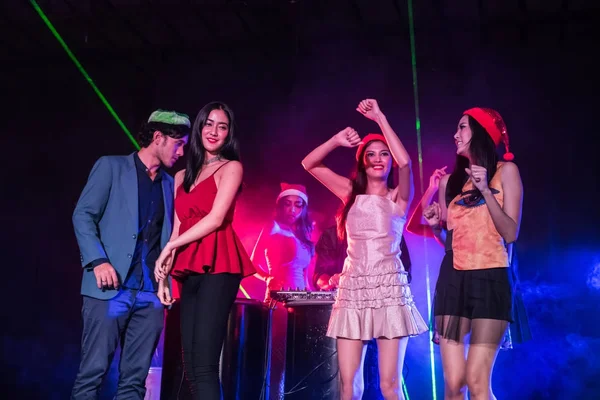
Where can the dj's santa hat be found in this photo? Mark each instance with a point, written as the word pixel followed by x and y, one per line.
pixel 493 123
pixel 288 189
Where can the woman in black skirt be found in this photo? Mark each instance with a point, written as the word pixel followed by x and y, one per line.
pixel 478 215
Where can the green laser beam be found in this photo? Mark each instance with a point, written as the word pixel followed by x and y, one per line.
pixel 404 390
pixel 87 77
pixel 413 59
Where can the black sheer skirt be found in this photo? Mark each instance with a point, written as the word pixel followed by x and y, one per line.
pixel 479 305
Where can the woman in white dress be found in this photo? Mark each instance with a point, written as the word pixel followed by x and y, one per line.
pixel 374 299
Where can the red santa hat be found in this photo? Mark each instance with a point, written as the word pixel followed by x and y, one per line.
pixel 371 137
pixel 492 122
pixel 293 190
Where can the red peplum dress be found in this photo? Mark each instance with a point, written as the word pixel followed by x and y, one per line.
pixel 217 253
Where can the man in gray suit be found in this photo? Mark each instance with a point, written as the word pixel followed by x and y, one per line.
pixel 122 221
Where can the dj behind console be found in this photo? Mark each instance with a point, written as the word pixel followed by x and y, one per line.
pixel 311 366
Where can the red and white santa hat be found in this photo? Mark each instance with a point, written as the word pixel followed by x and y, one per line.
pixel 492 122
pixel 288 189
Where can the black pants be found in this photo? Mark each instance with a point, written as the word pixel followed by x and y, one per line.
pixel 136 320
pixel 206 300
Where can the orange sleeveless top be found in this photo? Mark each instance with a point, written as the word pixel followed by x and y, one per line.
pixel 476 244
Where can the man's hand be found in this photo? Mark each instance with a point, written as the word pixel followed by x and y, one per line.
pixel 323 282
pixel 106 276
pixel 326 282
pixel 334 281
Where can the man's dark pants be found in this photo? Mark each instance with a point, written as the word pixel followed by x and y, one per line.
pixel 133 318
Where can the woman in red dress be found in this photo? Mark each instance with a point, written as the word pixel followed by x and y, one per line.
pixel 205 257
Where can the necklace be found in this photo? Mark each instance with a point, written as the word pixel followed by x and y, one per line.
pixel 212 160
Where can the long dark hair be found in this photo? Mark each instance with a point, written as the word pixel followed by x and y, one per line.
pixel 359 186
pixel 483 153
pixel 302 227
pixel 195 160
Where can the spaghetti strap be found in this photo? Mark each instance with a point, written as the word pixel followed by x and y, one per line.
pixel 210 176
pixel 220 166
pixel 215 171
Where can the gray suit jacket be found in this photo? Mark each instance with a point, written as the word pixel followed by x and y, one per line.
pixel 106 219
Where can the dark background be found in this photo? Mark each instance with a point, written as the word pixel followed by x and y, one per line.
pixel 293 71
